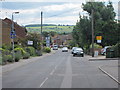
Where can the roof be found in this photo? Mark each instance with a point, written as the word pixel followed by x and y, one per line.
pixel 20 31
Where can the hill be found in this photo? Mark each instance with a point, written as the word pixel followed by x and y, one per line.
pixel 50 27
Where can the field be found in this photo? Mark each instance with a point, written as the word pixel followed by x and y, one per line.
pixel 58 29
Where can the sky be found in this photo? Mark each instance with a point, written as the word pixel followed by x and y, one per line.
pixel 54 11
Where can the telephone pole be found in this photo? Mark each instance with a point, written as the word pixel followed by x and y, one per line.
pixel 92 33
pixel 41 21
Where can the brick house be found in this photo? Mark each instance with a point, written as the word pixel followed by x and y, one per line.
pixel 6 29
pixel 4 33
pixel 62 39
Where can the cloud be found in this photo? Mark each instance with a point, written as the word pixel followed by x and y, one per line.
pixel 45 1
pixel 56 13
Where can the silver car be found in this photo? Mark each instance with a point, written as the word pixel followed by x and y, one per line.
pixel 73 49
pixel 78 52
pixel 64 49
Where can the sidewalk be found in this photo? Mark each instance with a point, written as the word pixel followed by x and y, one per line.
pixel 23 62
pixel 111 71
pixel 97 58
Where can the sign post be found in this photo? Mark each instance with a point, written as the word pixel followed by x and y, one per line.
pixel 48 41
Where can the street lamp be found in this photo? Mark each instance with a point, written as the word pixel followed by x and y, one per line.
pixel 13 35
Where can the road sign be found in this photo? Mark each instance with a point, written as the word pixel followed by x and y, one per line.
pixel 13 34
pixel 48 41
pixel 98 37
pixel 30 42
pixel 98 41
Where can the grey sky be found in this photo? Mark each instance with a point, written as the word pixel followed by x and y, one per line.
pixel 54 11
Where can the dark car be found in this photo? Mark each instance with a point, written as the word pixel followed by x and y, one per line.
pixel 78 52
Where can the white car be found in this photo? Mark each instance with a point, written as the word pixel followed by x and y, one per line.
pixel 64 49
pixel 78 51
pixel 55 47
pixel 103 51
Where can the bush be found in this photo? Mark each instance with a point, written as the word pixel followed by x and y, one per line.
pixel 26 55
pixel 96 46
pixel 7 47
pixel 113 51
pixel 39 53
pixel 0 59
pixel 9 58
pixel 4 52
pixel 47 49
pixel 117 50
pixel 4 59
pixel 30 50
pixel 20 50
pixel 18 56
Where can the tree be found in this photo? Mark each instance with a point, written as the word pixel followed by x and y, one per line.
pixel 104 25
pixel 32 37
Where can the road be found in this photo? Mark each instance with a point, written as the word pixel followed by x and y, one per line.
pixel 59 70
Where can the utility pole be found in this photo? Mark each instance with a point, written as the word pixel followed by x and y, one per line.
pixel 41 32
pixel 92 33
pixel 41 21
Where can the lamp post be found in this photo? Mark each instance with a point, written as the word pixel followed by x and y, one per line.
pixel 13 35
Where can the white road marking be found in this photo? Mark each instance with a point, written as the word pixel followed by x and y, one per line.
pixel 43 82
pixel 52 72
pixel 67 81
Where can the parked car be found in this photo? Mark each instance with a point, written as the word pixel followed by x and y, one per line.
pixel 55 47
pixel 78 52
pixel 73 49
pixel 64 49
pixel 103 51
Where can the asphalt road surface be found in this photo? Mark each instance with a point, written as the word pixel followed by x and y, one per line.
pixel 59 70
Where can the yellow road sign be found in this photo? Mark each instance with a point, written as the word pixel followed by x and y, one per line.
pixel 98 37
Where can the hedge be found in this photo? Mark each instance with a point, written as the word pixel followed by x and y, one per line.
pixel 113 51
pixel 30 50
pixel 47 49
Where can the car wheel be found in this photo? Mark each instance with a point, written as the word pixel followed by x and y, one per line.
pixel 82 55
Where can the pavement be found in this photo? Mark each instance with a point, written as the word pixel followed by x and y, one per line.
pixel 97 58
pixel 110 70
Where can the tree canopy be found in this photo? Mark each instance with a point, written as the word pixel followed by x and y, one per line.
pixel 105 25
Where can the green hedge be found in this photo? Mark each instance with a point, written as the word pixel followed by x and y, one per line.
pixel 26 55
pixel 113 52
pixel 30 50
pixel 4 52
pixel 0 59
pixel 18 56
pixel 47 49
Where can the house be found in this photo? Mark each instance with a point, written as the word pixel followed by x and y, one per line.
pixel 62 39
pixel 4 33
pixel 6 30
